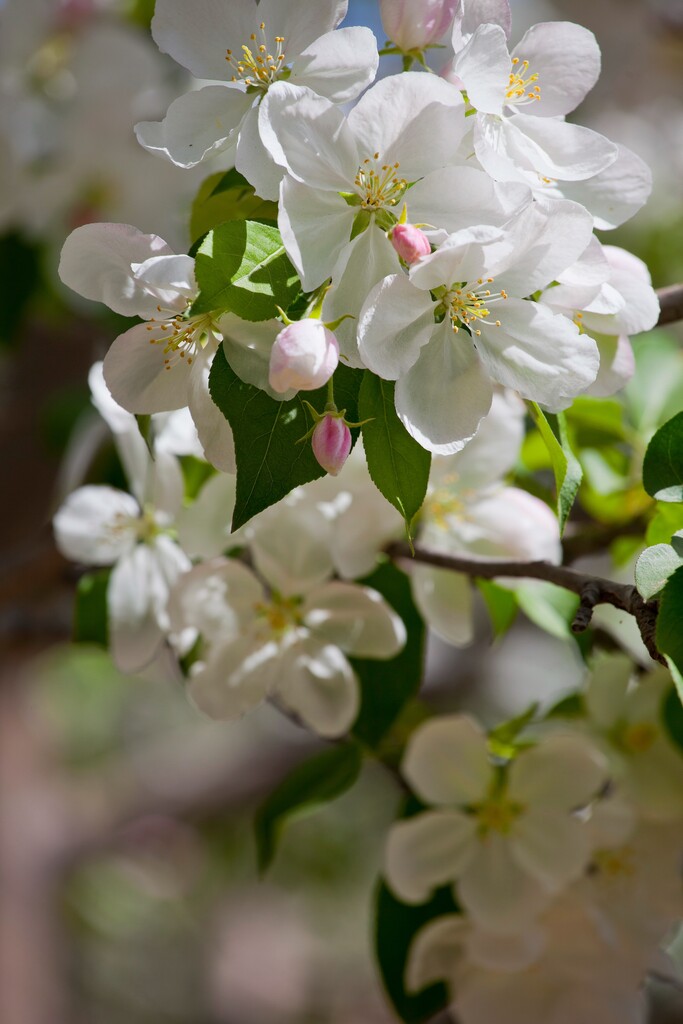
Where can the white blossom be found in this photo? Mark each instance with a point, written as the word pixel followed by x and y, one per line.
pixel 248 47
pixel 508 837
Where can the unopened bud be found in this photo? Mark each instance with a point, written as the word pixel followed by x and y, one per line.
pixel 414 24
pixel 331 443
pixel 74 13
pixel 410 243
pixel 304 357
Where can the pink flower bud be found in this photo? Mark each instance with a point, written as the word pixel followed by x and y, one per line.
pixel 410 243
pixel 304 357
pixel 331 443
pixel 73 13
pixel 414 24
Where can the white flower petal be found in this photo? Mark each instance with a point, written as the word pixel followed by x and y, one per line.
pixel 219 599
pixel 318 684
pixel 444 600
pixel 559 149
pixel 590 269
pixel 166 487
pixel 525 148
pixel 96 525
pixel 607 688
pixel 301 22
pixel 483 65
pixel 510 523
pixel 538 354
pixel 446 761
pixel 357 619
pixel 550 846
pixel 566 58
pixel 368 259
pixel 316 228
pixel 427 851
pixel 338 65
pixel 291 549
pixel 436 951
pixel 492 452
pixel 496 892
pixel 443 397
pixel 394 324
pixel 562 772
pixel 615 194
pixel 470 16
pixel 136 590
pixel 169 279
pixel 236 678
pixel 135 373
pixel 546 238
pixel 196 125
pixel 414 119
pixel 96 263
pixel 617 365
pixel 247 346
pixel 253 159
pixel 213 429
pixel 204 526
pixel 454 198
pixel 197 35
pixel 463 256
pixel 309 136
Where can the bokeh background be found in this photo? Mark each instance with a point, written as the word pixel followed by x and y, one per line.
pixel 128 883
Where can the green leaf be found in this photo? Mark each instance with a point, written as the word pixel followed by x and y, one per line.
pixel 396 925
pixel 196 472
pixel 146 428
pixel 551 608
pixel 654 567
pixel 667 520
pixel 387 686
pixel 398 465
pixel 596 422
pixel 502 739
pixel 501 604
pixel 571 706
pixel 672 716
pixel 663 463
pixel 270 463
pixel 553 429
pixel 321 779
pixel 241 267
pixel 90 609
pixel 227 196
pixel 669 634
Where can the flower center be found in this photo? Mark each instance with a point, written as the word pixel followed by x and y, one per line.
pixel 182 337
pixel 639 737
pixel 615 863
pixel 379 187
pixel 441 505
pixel 468 305
pixel 521 89
pixel 259 64
pixel 280 614
pixel 497 815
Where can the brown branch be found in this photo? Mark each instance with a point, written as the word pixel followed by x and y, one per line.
pixel 592 590
pixel 671 304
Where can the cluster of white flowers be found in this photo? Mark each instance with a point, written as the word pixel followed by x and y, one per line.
pixel 443 233
pixel 563 852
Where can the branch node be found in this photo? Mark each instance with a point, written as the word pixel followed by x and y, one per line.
pixel 591 594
